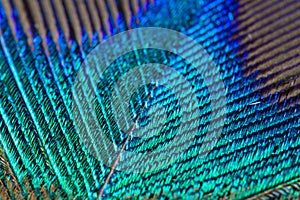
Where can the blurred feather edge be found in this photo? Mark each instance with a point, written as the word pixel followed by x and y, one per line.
pixel 93 17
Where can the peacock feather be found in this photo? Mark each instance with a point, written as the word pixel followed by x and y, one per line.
pixel 254 46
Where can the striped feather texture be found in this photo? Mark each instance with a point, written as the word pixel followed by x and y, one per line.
pixel 255 47
pixel 72 17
